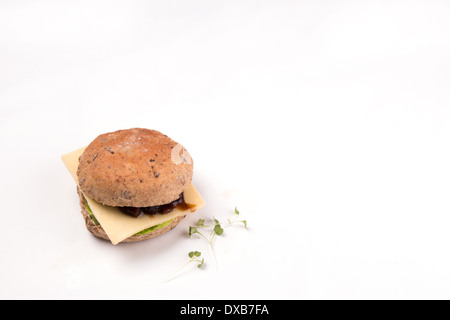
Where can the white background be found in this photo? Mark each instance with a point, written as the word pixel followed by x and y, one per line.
pixel 327 123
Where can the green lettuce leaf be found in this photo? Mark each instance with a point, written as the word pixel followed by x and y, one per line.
pixel 91 214
pixel 158 226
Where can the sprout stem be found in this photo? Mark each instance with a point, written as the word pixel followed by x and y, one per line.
pixel 176 273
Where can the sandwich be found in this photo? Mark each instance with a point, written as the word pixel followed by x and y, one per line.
pixel 133 184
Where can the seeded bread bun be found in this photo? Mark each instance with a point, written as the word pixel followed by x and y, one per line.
pixel 134 168
pixel 98 231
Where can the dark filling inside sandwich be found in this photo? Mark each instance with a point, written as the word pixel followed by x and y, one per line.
pixel 161 209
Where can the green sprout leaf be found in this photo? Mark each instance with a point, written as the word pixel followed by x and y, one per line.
pixel 218 229
pixel 192 230
pixel 201 222
pixel 200 265
pixel 193 254
pixel 236 211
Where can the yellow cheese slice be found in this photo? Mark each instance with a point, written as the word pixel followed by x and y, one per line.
pixel 119 226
